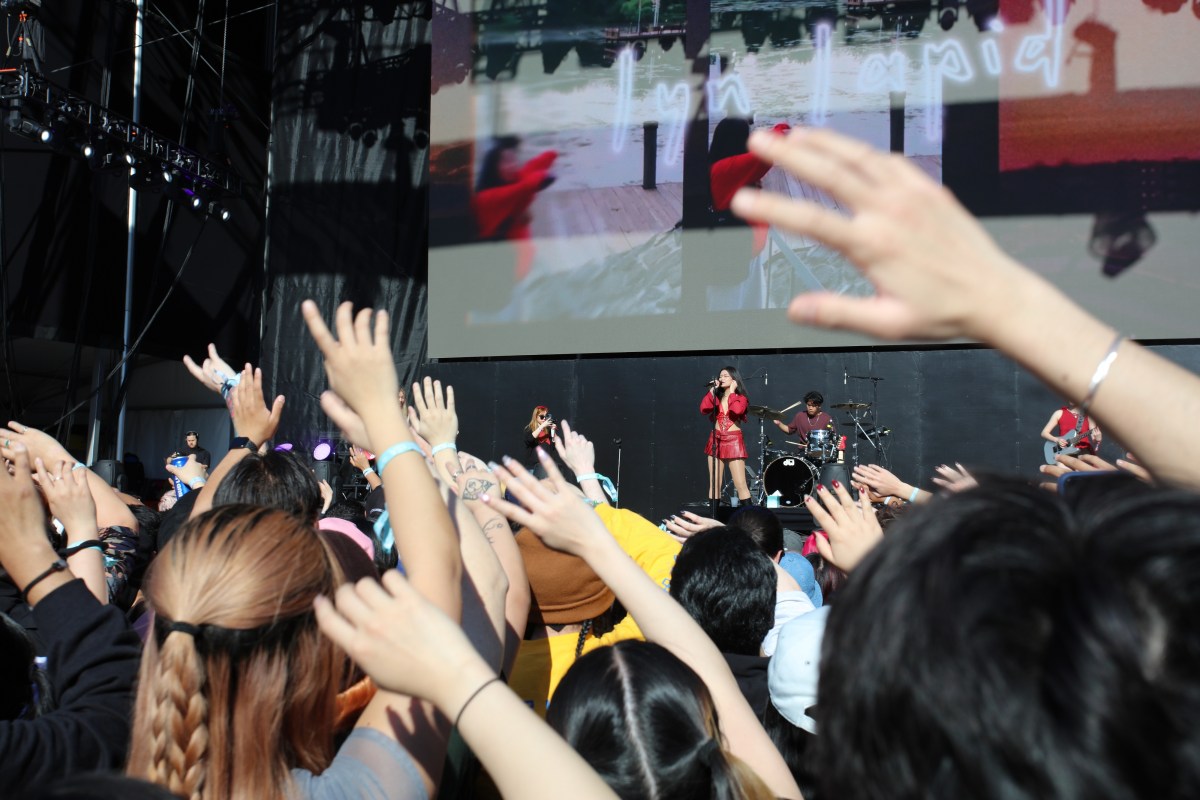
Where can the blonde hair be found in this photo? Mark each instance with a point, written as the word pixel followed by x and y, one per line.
pixel 533 420
pixel 237 686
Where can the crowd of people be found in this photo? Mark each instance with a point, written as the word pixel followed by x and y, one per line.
pixel 475 629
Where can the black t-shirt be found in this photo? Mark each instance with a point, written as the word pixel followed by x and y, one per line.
pixel 202 455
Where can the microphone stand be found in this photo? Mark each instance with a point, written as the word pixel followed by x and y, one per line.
pixel 617 502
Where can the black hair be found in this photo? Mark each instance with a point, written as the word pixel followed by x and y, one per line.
pixel 353 511
pixel 489 169
pixel 737 377
pixel 727 584
pixel 27 692
pixel 1002 643
pixel 729 139
pixel 277 479
pixel 645 722
pixel 814 397
pixel 762 526
pixel 796 745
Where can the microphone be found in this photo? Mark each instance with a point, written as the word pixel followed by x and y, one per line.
pixel 845 377
pixel 617 441
pixel 711 384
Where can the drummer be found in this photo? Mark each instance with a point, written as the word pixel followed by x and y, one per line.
pixel 812 418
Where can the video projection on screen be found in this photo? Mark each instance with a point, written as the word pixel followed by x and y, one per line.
pixel 584 154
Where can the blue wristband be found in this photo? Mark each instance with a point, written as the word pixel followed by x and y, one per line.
pixel 437 448
pixel 912 498
pixel 604 481
pixel 386 457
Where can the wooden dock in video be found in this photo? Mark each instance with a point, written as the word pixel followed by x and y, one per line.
pixel 630 211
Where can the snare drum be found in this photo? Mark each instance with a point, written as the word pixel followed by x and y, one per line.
pixel 822 446
pixel 791 476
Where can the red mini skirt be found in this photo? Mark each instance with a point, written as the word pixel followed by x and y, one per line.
pixel 730 444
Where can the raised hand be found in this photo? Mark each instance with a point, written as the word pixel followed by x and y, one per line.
pixel 358 361
pixel 954 479
pixel 38 444
pixel 212 372
pixel 24 549
pixel 936 272
pixel 575 450
pixel 687 524
pixel 404 642
pixel 852 528
pixel 69 497
pixel 189 471
pixel 251 417
pixel 358 459
pixel 559 517
pixel 434 416
pixel 881 480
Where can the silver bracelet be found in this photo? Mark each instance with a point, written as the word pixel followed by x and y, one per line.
pixel 1101 373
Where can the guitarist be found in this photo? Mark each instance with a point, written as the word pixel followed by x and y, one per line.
pixel 1077 436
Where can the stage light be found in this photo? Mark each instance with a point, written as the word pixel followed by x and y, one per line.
pixel 219 211
pixel 284 447
pixel 323 451
pixel 170 173
pixel 131 159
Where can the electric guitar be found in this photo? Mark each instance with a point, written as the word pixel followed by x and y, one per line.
pixel 1053 449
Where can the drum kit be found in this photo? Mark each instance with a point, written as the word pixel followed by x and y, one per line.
pixel 789 474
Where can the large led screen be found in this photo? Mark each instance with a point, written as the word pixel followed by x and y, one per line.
pixel 584 154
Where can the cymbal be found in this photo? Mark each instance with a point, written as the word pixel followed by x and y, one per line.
pixel 765 412
pixel 850 406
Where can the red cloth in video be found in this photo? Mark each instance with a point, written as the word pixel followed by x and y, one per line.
pixel 503 211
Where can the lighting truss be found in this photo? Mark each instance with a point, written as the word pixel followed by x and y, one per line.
pixel 31 104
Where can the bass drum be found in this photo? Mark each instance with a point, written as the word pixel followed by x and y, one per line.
pixel 791 476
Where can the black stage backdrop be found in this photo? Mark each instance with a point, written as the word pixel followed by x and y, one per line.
pixel 348 174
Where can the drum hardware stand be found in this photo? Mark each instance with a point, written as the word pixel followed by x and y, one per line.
pixel 875 435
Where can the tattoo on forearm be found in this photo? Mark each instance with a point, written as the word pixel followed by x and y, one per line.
pixel 493 527
pixel 476 487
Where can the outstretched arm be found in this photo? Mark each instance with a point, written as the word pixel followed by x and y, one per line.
pixel 561 521
pixel 938 275
pixel 407 645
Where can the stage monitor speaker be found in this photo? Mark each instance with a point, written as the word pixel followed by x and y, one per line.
pixel 113 473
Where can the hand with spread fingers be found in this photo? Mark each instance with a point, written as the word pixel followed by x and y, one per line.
pixel 852 528
pixel 212 372
pixel 358 458
pixel 954 479
pixel 936 272
pixel 559 518
pixel 881 480
pixel 433 414
pixel 686 524
pixel 360 368
pixel 248 408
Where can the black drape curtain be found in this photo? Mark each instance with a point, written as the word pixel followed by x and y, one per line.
pixel 348 187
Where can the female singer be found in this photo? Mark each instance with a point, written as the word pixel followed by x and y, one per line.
pixel 725 404
pixel 540 432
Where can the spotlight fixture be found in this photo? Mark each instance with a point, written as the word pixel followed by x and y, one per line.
pixel 219 211
pixel 170 173
pixel 323 450
pixel 284 447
